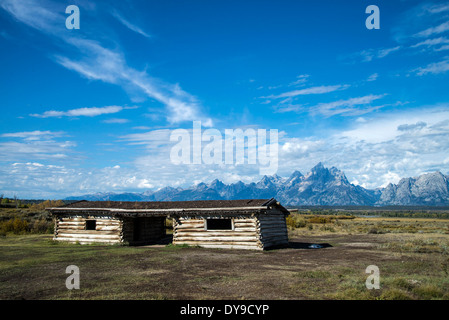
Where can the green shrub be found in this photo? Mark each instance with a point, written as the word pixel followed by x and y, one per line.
pixel 295 221
pixel 428 292
pixel 42 226
pixel 394 294
pixel 318 219
pixel 15 226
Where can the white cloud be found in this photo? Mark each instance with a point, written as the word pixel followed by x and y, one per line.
pixel 34 145
pixel 129 25
pixel 375 152
pixel 84 112
pixel 438 8
pixel 385 52
pixel 373 77
pixel 300 80
pixel 307 91
pixel 116 120
pixel 434 68
pixel 379 150
pixel 443 27
pixel 98 62
pixel 348 107
pixel 371 54
pixel 431 42
pixel 33 135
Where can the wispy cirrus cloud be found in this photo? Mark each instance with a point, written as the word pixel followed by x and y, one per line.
pixel 116 120
pixel 80 112
pixel 431 42
pixel 25 145
pixel 372 54
pixel 348 107
pixel 33 135
pixel 443 27
pixel 129 25
pixel 345 107
pixel 373 77
pixel 434 68
pixel 438 8
pixel 308 91
pixel 96 61
pixel 300 80
pixel 369 55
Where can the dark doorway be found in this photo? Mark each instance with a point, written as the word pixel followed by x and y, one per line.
pixel 137 229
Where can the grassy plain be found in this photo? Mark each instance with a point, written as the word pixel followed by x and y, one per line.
pixel 411 254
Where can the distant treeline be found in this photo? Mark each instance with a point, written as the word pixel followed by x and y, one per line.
pixel 26 203
pixel 392 212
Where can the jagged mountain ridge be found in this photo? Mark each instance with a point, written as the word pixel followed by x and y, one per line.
pixel 321 186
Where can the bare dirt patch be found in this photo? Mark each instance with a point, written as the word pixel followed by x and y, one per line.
pixel 33 268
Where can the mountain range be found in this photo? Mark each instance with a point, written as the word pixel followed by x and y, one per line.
pixel 321 186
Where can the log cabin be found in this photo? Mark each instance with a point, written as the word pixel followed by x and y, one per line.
pixel 239 224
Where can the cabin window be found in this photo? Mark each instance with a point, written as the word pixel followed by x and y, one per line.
pixel 218 224
pixel 91 224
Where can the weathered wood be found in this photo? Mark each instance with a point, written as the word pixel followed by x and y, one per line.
pixel 85 241
pixel 245 246
pixel 219 239
pixel 241 229
pixel 223 233
pixel 273 236
pixel 88 236
pixel 188 226
pixel 271 226
pixel 91 232
pixel 245 225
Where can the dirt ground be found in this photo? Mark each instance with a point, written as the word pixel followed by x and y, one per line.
pixel 31 267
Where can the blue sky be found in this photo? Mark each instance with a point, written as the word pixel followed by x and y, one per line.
pixel 91 109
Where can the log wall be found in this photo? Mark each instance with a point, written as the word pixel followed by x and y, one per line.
pixel 192 231
pixel 272 229
pixel 73 229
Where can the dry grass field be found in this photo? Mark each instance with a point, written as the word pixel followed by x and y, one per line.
pixel 412 256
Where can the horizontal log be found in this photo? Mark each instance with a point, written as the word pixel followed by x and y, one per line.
pixel 206 233
pixel 273 235
pixel 251 246
pixel 245 224
pixel 270 245
pixel 241 229
pixel 75 227
pixel 83 227
pixel 216 239
pixel 189 225
pixel 271 216
pixel 93 232
pixel 82 223
pixel 86 241
pixel 271 221
pixel 89 236
pixel 270 238
pixel 244 220
pixel 89 218
pixel 64 223
pixel 273 242
pixel 273 228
